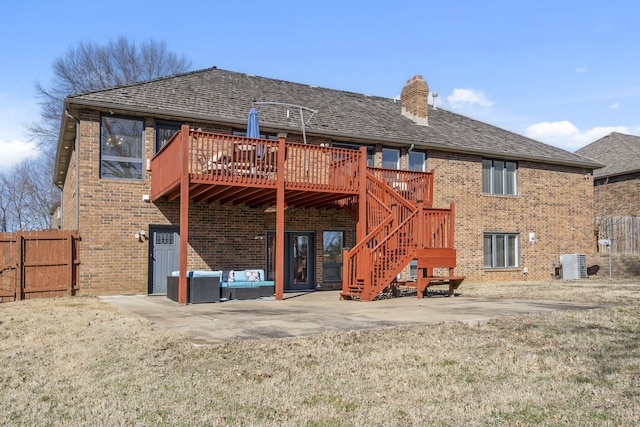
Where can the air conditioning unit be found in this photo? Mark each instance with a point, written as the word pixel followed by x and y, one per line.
pixel 574 266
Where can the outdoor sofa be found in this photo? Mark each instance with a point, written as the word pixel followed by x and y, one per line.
pixel 213 286
pixel 245 284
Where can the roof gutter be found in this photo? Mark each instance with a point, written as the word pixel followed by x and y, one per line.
pixel 615 174
pixel 426 146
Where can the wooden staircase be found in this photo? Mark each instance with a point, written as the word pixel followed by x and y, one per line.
pixel 400 222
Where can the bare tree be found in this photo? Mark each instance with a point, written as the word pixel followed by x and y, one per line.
pixel 28 197
pixel 16 200
pixel 90 67
pixel 4 203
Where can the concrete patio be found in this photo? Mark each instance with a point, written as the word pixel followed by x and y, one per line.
pixel 317 312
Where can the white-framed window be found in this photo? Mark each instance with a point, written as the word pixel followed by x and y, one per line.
pixel 121 148
pixel 416 160
pixel 391 158
pixel 499 177
pixel 501 250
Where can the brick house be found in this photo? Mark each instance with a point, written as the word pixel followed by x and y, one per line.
pixel 134 161
pixel 617 190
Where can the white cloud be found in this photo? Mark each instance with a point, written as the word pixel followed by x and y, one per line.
pixel 463 98
pixel 582 69
pixel 543 130
pixel 566 135
pixel 13 152
pixel 14 144
pixel 614 106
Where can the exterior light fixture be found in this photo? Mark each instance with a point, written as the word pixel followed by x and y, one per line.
pixel 140 235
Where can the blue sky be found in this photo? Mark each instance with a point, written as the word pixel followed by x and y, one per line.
pixel 563 72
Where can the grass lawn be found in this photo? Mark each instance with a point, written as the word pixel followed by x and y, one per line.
pixel 80 361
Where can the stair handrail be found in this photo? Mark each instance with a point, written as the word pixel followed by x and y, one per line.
pixel 410 184
pixel 372 179
pixel 404 253
pixel 383 232
pixel 366 266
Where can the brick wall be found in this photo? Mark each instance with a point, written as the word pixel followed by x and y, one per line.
pixel 554 202
pixel 221 237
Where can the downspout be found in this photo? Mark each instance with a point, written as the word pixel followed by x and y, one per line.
pixel 61 188
pixel 77 148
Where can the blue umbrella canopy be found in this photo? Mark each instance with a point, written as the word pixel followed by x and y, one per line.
pixel 253 128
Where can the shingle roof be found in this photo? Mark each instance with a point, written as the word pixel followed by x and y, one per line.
pixel 619 153
pixel 225 96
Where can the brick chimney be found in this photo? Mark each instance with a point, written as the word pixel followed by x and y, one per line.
pixel 414 100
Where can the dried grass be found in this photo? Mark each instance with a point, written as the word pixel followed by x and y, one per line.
pixel 79 361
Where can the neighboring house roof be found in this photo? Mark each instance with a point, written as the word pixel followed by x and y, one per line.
pixel 215 95
pixel 619 153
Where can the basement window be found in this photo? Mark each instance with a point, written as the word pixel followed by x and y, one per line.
pixel 121 148
pixel 501 250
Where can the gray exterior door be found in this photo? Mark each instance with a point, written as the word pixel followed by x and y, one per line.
pixel 164 256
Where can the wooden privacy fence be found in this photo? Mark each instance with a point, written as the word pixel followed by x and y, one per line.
pixel 624 233
pixel 38 264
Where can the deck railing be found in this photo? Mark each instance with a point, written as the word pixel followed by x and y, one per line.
pixel 412 185
pixel 317 168
pixel 235 160
pixel 437 228
pixel 166 163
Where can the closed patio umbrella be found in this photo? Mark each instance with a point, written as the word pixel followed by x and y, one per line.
pixel 253 128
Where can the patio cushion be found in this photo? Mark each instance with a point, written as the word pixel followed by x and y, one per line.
pixel 239 276
pixel 198 273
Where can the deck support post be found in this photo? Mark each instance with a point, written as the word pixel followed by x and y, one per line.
pixel 280 206
pixel 184 213
pixel 361 226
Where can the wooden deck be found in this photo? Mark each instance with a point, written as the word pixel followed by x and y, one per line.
pixel 392 207
pixel 232 169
